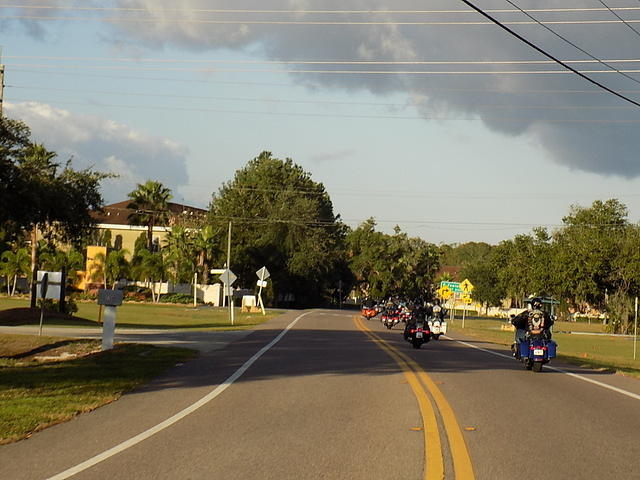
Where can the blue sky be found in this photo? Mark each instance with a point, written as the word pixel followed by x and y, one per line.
pixel 447 157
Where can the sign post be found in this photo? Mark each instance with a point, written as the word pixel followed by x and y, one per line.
pixel 467 287
pixel 44 286
pixel 635 331
pixel 228 277
pixel 48 285
pixel 110 299
pixel 262 274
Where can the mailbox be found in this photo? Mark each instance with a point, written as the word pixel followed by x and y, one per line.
pixel 110 298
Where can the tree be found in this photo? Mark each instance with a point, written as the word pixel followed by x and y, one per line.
pixel 180 254
pixel 14 264
pixel 488 290
pixel 149 267
pixel 150 201
pixel 116 266
pixel 207 246
pixel 586 248
pixel 284 220
pixel 385 265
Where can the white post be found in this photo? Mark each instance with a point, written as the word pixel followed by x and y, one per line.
pixel 108 327
pixel 230 294
pixel 635 331
pixel 260 298
pixel 464 312
pixel 230 300
pixel 195 289
pixel 453 307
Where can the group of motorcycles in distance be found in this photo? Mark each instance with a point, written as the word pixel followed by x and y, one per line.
pixel 423 320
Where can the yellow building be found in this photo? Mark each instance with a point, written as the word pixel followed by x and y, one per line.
pixel 115 218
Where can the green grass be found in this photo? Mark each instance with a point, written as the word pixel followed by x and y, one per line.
pixel 611 353
pixel 158 316
pixel 35 395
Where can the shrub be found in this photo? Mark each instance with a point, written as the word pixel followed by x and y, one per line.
pixel 183 298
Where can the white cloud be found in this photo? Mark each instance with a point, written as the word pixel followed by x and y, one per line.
pixel 503 102
pixel 107 145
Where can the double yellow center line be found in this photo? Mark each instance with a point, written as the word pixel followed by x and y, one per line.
pixel 421 383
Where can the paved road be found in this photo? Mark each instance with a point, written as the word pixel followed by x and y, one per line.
pixel 338 398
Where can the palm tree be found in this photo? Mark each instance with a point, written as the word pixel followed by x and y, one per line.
pixel 206 245
pixel 150 268
pixel 15 264
pixel 151 204
pixel 99 269
pixel 57 260
pixel 180 254
pixel 116 266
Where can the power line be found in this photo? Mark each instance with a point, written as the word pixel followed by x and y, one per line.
pixel 576 46
pixel 335 72
pixel 364 191
pixel 341 221
pixel 619 17
pixel 49 71
pixel 548 55
pixel 473 118
pixel 305 12
pixel 304 22
pixel 318 62
pixel 413 103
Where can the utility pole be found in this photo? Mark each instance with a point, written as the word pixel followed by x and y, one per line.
pixel 230 297
pixel 1 83
pixel 1 87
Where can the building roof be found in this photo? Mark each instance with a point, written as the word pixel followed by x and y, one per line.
pixel 118 213
pixel 451 270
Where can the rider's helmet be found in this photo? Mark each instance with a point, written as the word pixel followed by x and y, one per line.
pixel 536 303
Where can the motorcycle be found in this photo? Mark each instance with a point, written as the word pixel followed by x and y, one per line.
pixel 405 315
pixel 535 350
pixel 438 327
pixel 391 319
pixel 369 313
pixel 417 333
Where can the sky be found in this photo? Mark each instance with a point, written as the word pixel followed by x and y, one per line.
pixel 421 114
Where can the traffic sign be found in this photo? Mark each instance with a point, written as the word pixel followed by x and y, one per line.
pixel 263 273
pixel 453 286
pixel 228 277
pixel 445 292
pixel 466 286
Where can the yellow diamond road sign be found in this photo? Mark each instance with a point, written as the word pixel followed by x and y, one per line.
pixel 466 286
pixel 445 292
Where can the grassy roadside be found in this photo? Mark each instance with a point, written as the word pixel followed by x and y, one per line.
pixel 147 315
pixel 36 393
pixel 604 352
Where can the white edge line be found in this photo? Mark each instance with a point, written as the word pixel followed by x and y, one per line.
pixel 178 416
pixel 559 370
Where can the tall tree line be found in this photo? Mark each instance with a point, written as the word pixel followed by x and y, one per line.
pixel 591 261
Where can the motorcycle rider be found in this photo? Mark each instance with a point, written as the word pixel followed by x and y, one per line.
pixel 439 311
pixel 531 320
pixel 417 315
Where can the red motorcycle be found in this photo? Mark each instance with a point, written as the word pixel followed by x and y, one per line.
pixel 369 313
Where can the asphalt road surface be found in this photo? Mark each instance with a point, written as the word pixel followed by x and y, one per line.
pixel 339 397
